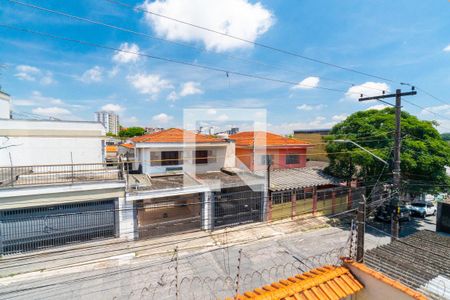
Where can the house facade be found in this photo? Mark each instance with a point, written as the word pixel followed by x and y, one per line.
pixel 254 149
pixel 178 150
pixel 187 181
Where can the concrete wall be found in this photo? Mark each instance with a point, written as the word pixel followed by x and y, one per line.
pixel 5 106
pixel 375 289
pixel 35 142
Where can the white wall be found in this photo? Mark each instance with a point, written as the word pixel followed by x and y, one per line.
pixel 34 142
pixel 223 153
pixel 5 106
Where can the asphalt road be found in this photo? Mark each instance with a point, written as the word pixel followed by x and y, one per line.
pixel 203 273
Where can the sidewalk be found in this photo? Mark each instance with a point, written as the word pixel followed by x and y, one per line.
pixel 99 253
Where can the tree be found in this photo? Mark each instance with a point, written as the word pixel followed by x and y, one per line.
pixel 111 134
pixel 446 137
pixel 424 154
pixel 131 132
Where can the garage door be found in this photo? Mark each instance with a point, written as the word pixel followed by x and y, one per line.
pixel 23 230
pixel 235 208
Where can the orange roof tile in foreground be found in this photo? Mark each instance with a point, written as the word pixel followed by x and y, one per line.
pixel 248 138
pixel 328 282
pixel 394 283
pixel 176 135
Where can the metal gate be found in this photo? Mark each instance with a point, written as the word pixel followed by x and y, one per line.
pixel 235 208
pixel 23 230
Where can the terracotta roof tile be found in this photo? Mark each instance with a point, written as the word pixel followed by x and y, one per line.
pixel 330 282
pixel 128 145
pixel 176 135
pixel 250 138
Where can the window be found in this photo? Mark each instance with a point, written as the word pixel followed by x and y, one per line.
pixel 266 159
pixel 292 159
pixel 201 157
pixel 169 158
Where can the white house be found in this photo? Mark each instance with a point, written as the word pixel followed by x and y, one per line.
pixel 41 142
pixel 181 150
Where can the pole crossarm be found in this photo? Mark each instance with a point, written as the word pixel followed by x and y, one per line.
pixel 411 93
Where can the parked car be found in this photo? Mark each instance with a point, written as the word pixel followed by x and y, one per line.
pixel 384 213
pixel 422 209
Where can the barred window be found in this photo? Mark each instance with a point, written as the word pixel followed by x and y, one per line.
pixel 292 159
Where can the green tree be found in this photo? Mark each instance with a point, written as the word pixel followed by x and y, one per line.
pixel 111 134
pixel 424 154
pixel 131 132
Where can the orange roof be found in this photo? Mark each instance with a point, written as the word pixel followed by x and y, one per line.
pixel 394 283
pixel 328 282
pixel 248 138
pixel 176 135
pixel 111 148
pixel 127 145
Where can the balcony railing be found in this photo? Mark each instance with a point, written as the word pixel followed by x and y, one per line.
pixel 17 176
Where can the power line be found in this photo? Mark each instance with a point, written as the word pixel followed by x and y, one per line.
pixel 170 60
pixel 169 41
pixel 129 6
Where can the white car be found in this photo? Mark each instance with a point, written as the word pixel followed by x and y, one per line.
pixel 422 209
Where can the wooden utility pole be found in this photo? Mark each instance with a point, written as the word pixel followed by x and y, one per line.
pixel 395 200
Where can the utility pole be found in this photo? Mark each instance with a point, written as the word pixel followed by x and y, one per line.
pixel 395 200
pixel 360 229
pixel 269 198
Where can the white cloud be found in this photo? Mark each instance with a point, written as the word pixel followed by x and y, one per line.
pixel 128 53
pixel 130 121
pixel 55 112
pixel 37 99
pixel 339 118
pixel 307 83
pixel 318 122
pixel 309 107
pixel 367 89
pixel 433 110
pixel 173 96
pixel 190 88
pixel 162 118
pixel 234 17
pixel 150 84
pixel 116 108
pixel 447 49
pixel 377 107
pixel 94 74
pixel 211 111
pixel 222 117
pixel 47 79
pixel 30 73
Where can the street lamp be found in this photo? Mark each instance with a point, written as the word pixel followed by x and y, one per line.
pixel 362 148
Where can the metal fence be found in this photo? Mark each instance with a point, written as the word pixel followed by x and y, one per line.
pixel 28 229
pixel 234 208
pixel 63 173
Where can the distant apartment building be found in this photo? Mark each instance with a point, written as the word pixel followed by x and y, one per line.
pixel 110 120
pixel 316 137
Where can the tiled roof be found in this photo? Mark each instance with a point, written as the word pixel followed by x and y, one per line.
pixel 176 135
pixel 394 283
pixel 250 138
pixel 297 178
pixel 328 282
pixel 128 145
pixel 419 259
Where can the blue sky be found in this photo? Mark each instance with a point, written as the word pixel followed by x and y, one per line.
pixel 406 41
